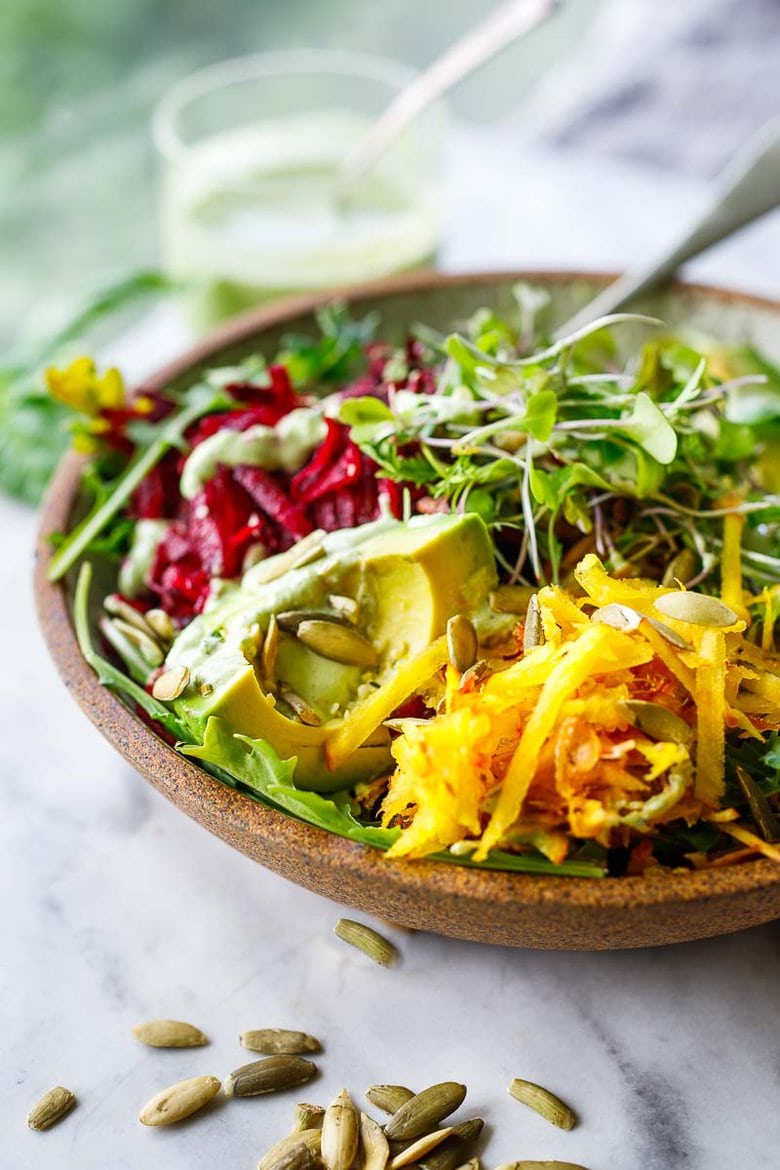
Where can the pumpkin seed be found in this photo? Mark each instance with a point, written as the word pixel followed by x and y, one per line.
pixel 51 1108
pixel 658 721
pixel 340 1133
pixel 473 676
pixel 450 1154
pixel 669 634
pixel 369 941
pixel 682 567
pixel 695 608
pixel 374 1144
pixel 766 821
pixel 346 606
pixel 279 1042
pixel 337 642
pixel 425 1110
pixel 510 598
pixel 161 625
pixel 117 607
pixel 420 1148
pixel 179 1101
pixel 269 654
pixel 545 1103
pixel 619 617
pixel 533 631
pixel 285 1154
pixel 462 642
pixel 307 1117
pixel 290 619
pixel 169 1034
pixel 269 1076
pixel 149 648
pixel 300 707
pixel 389 1098
pixel 472 1164
pixel 309 549
pixel 171 683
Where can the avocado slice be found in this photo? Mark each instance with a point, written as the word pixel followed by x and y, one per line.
pixel 407 578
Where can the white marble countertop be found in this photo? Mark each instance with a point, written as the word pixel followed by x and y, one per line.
pixel 117 908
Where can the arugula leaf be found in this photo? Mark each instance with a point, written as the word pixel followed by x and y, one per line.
pixel 334 356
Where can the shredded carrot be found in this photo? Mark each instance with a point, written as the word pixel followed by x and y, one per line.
pixel 731 563
pixel 745 837
pixel 710 698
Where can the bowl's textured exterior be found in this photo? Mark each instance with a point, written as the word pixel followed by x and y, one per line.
pixel 507 908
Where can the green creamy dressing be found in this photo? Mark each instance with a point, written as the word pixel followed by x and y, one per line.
pixel 137 565
pixel 284 447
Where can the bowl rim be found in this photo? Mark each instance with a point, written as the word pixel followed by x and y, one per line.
pixel 192 789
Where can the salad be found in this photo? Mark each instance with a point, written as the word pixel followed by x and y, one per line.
pixel 485 597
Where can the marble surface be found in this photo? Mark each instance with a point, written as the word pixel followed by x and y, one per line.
pixel 116 908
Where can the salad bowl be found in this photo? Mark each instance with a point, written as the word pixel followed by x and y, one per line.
pixel 489 906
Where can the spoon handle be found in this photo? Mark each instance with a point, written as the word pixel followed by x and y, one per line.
pixel 500 28
pixel 748 188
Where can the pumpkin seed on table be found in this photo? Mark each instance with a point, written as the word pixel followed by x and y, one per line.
pixel 269 1076
pixel 423 1112
pixel 452 1153
pixel 279 1042
pixel 307 1116
pixel 170 684
pixel 696 608
pixel 51 1108
pixel 420 1147
pixel 374 1145
pixel 179 1101
pixel 340 1127
pixel 544 1102
pixel 367 940
pixel 462 643
pixel 338 642
pixel 169 1034
pixel 286 1153
pixel 389 1098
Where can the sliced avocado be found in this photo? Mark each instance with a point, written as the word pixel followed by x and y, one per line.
pixel 408 580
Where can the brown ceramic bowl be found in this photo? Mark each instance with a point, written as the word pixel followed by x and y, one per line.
pixel 508 908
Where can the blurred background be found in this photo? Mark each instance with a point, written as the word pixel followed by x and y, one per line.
pixel 661 93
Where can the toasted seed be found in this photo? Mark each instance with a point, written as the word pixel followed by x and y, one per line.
pixel 338 642
pixel 681 568
pixel 117 606
pixel 300 707
pixel 161 625
pixel 346 606
pixel 450 1154
pixel 619 617
pixel 658 721
pixel 309 549
pixel 510 598
pixel 179 1101
pixel 420 1148
pixel 374 1145
pixel 669 634
pixel 544 1102
pixel 425 1110
pixel 149 648
pixel 533 1165
pixel 462 642
pixel 473 676
pixel 279 1041
pixel 286 1155
pixel 533 632
pixel 696 608
pixel 307 1116
pixel 169 1034
pixel 369 941
pixel 766 821
pixel 51 1108
pixel 389 1098
pixel 269 653
pixel 268 1076
pixel 340 1133
pixel 472 1164
pixel 290 619
pixel 171 683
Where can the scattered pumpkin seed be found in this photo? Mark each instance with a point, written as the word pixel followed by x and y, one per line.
pixel 374 1145
pixel 766 821
pixel 169 1034
pixel 695 608
pixel 296 703
pixel 669 634
pixel 340 1133
pixel 682 567
pixel 309 549
pixel 450 1154
pixel 533 632
pixel 279 1042
pixel 269 1076
pixel 619 617
pixel 423 1112
pixel 421 1147
pixel 462 642
pixel 269 653
pixel 389 1098
pixel 179 1101
pixel 658 721
pixel 286 1155
pixel 171 683
pixel 290 619
pixel 161 625
pixel 544 1102
pixel 472 1164
pixel 346 606
pixel 338 642
pixel 148 647
pixel 117 607
pixel 510 598
pixel 473 676
pixel 51 1108
pixel 307 1117
pixel 367 940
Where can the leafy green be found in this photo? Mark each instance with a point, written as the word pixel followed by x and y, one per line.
pixel 333 356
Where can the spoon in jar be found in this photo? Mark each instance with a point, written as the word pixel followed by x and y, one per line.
pixel 747 188
pixel 499 29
